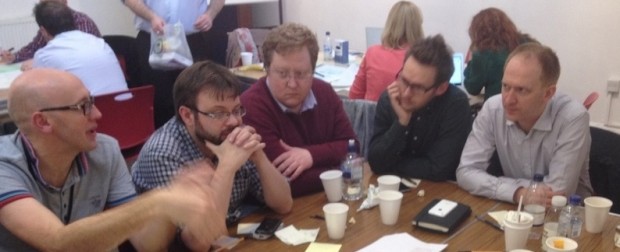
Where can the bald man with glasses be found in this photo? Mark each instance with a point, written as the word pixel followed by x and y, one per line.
pixel 64 187
pixel 209 126
pixel 421 121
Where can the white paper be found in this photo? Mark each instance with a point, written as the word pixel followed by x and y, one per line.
pixel 247 228
pixel 402 242
pixel 293 236
pixel 340 77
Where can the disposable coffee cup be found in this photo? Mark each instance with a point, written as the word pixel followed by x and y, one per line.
pixel 332 183
pixel 561 244
pixel 517 228
pixel 246 58
pixel 389 206
pixel 388 183
pixel 597 209
pixel 336 219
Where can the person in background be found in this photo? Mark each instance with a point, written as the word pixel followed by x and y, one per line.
pixel 26 53
pixel 422 121
pixel 82 54
pixel 403 27
pixel 300 118
pixel 208 125
pixel 197 18
pixel 533 129
pixel 493 36
pixel 66 188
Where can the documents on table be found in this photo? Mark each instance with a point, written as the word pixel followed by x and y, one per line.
pixel 339 76
pixel 396 242
pixel 8 73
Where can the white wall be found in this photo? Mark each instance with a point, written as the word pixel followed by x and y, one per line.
pixel 584 34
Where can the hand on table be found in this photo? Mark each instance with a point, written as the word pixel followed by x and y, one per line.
pixel 293 161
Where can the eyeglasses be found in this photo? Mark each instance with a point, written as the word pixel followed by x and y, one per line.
pixel 85 106
pixel 414 88
pixel 222 116
pixel 297 75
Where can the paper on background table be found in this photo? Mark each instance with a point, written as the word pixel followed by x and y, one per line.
pixel 402 242
pixel 323 247
pixel 8 73
pixel 336 75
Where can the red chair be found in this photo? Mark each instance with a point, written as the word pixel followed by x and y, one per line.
pixel 128 117
pixel 590 100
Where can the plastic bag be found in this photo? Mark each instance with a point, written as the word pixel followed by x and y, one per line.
pixel 170 50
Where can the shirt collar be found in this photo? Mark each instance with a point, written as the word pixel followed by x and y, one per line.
pixel 79 167
pixel 308 104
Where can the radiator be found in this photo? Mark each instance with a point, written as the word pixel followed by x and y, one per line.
pixel 17 32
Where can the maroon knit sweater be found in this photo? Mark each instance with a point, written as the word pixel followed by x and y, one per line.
pixel 323 130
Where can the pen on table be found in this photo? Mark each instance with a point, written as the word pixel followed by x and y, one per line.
pixel 316 216
pixel 495 225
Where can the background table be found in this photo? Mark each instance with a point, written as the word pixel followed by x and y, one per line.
pixel 471 235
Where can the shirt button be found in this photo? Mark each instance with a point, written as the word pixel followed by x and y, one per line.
pixel 418 118
pixel 65 205
pixel 415 138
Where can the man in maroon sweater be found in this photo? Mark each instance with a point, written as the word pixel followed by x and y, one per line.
pixel 300 118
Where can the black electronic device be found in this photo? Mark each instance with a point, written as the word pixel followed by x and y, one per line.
pixel 267 228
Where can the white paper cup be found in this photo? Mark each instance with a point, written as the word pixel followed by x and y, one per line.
pixel 388 183
pixel 246 58
pixel 516 230
pixel 389 206
pixel 597 209
pixel 332 183
pixel 569 244
pixel 336 219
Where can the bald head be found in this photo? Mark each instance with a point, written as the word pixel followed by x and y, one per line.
pixel 39 88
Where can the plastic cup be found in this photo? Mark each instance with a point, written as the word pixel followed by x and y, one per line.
pixel 389 206
pixel 388 183
pixel 246 58
pixel 332 183
pixel 335 219
pixel 516 229
pixel 597 209
pixel 569 244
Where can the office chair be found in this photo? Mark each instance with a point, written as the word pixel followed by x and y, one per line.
pixel 361 114
pixel 605 165
pixel 128 117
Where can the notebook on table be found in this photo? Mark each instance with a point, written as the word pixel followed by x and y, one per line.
pixel 441 215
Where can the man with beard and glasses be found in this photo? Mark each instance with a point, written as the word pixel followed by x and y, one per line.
pixel 208 119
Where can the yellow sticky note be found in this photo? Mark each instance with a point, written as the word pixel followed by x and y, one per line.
pixel 323 247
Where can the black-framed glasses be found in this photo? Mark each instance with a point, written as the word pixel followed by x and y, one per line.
pixel 415 88
pixel 85 106
pixel 296 75
pixel 221 115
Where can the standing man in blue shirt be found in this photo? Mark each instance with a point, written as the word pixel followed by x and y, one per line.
pixel 196 16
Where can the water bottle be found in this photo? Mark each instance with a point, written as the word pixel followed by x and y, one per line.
pixel 552 217
pixel 535 199
pixel 570 221
pixel 352 173
pixel 327 47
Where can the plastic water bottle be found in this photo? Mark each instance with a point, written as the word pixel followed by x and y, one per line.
pixel 552 217
pixel 327 47
pixel 352 173
pixel 535 199
pixel 570 221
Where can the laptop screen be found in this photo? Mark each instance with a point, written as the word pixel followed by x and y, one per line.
pixel 457 76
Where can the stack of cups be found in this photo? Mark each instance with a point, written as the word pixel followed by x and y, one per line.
pixel 517 227
pixel 390 198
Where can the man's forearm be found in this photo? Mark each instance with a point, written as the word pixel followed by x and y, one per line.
pixel 139 8
pixel 276 189
pixel 215 7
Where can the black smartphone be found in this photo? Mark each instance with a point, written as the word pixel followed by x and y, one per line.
pixel 267 228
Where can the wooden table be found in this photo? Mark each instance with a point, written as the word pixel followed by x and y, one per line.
pixel 471 235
